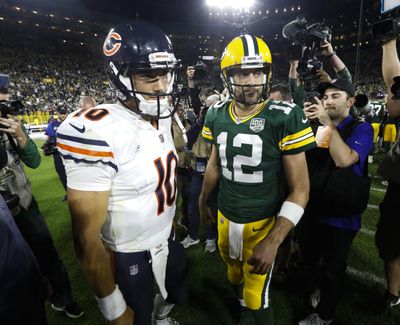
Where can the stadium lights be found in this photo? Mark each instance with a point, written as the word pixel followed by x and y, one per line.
pixel 51 15
pixel 1 18
pixel 19 21
pixel 67 18
pixel 230 3
pixel 34 12
pixel 17 8
pixel 37 25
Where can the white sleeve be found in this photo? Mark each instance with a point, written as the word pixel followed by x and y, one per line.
pixel 84 177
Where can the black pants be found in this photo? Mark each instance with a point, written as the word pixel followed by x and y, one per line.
pixel 134 276
pixel 60 169
pixel 325 249
pixel 184 183
pixel 194 213
pixel 36 233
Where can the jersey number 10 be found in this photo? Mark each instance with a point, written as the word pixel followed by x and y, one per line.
pixel 165 191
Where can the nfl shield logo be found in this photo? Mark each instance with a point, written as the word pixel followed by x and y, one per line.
pixel 134 269
pixel 257 124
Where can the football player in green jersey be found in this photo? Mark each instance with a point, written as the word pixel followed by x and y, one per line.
pixel 258 147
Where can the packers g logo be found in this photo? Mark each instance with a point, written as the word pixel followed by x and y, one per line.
pixel 112 44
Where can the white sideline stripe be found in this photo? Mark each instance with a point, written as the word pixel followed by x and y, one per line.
pixel 366 276
pixel 371 206
pixel 367 232
pixel 377 189
pixel 376 176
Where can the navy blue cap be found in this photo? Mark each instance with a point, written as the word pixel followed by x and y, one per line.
pixel 342 84
pixel 3 80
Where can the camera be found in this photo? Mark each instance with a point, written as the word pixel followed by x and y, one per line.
pixel 364 107
pixel 200 71
pixel 12 200
pixel 11 108
pixel 306 41
pixel 395 89
pixel 385 30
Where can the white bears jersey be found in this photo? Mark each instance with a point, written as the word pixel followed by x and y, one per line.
pixel 110 148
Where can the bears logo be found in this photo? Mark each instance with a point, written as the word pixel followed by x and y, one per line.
pixel 112 44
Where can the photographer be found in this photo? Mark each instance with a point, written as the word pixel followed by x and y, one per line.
pixel 50 146
pixel 386 237
pixel 339 192
pixel 15 183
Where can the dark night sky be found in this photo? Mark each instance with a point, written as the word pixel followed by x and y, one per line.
pixel 186 11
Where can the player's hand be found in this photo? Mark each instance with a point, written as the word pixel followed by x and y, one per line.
pixel 206 214
pixel 125 319
pixel 263 257
pixel 12 126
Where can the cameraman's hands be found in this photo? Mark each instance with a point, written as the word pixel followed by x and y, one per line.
pixel 317 112
pixel 190 74
pixel 326 48
pixel 323 76
pixel 12 126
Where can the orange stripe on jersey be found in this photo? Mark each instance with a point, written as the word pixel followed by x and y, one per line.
pixel 85 151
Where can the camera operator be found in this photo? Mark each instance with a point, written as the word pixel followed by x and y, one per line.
pixel 51 132
pixel 333 214
pixel 14 182
pixel 386 237
pixel 194 91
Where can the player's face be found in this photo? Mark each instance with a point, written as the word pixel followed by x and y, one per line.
pixel 152 82
pixel 249 84
pixel 336 103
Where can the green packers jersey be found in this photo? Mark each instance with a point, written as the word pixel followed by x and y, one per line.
pixel 250 153
pixel 379 108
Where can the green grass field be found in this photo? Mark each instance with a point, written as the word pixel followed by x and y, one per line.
pixel 210 297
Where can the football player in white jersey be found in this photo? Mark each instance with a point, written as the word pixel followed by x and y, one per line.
pixel 121 167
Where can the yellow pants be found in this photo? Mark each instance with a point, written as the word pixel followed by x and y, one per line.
pixel 375 126
pixel 389 133
pixel 236 243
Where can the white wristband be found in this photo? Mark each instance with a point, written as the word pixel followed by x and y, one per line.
pixel 291 211
pixel 112 306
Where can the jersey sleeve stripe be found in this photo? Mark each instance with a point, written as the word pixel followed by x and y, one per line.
pixel 297 140
pixel 86 152
pixel 207 136
pixel 295 135
pixel 82 140
pixel 80 160
pixel 206 129
pixel 299 144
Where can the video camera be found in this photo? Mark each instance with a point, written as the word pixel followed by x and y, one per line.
pixel 203 67
pixel 306 44
pixel 364 107
pixel 385 30
pixel 12 200
pixel 11 108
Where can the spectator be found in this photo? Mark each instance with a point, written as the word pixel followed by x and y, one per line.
pixel 23 290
